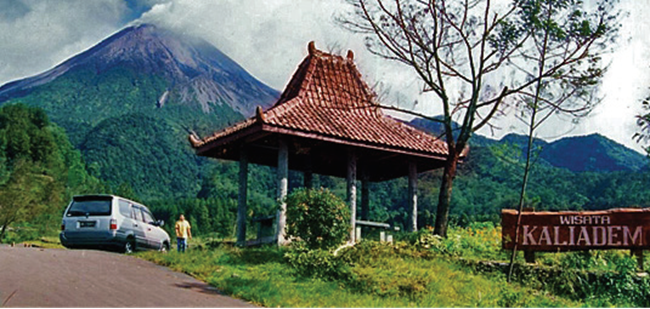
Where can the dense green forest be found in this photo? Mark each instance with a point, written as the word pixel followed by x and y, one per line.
pixel 142 151
pixel 488 182
pixel 39 171
pixel 125 136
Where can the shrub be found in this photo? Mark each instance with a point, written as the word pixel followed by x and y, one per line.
pixel 317 264
pixel 318 218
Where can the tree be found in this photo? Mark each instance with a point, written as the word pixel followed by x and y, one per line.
pixel 27 194
pixel 461 51
pixel 557 30
pixel 38 169
pixel 318 218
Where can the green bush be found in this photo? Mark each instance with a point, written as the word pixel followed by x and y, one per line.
pixel 317 217
pixel 317 264
pixel 369 274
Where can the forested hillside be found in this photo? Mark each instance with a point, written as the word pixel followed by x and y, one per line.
pixel 39 172
pixel 143 151
pixel 588 153
pixel 488 181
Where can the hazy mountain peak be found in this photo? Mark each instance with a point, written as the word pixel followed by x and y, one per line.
pixel 194 70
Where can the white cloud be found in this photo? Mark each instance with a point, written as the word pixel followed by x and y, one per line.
pixel 626 82
pixel 267 38
pixel 628 78
pixel 38 34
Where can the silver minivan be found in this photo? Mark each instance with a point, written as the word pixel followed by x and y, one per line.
pixel 109 221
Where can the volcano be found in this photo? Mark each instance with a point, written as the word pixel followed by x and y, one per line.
pixel 145 69
pixel 128 103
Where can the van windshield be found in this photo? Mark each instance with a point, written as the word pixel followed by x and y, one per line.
pixel 94 207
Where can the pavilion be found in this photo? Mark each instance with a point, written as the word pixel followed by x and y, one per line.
pixel 326 121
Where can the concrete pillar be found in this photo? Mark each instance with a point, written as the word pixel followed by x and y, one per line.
pixel 352 192
pixel 241 201
pixel 365 198
pixel 283 189
pixel 413 197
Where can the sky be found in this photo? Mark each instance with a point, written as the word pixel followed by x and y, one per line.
pixel 269 39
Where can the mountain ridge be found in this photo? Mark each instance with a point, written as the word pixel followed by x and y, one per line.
pixel 580 153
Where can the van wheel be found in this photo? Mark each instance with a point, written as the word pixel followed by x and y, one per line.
pixel 164 248
pixel 129 246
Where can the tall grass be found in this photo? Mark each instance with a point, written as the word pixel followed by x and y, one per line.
pixel 367 275
pixel 597 278
pixel 419 270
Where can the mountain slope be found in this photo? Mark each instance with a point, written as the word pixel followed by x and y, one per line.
pixel 590 153
pixel 139 150
pixel 190 67
pixel 147 70
pixel 128 102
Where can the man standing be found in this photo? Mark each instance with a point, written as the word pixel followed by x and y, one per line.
pixel 183 231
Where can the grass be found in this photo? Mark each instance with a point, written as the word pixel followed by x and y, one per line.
pixel 379 276
pixel 595 278
pixel 419 270
pixel 48 242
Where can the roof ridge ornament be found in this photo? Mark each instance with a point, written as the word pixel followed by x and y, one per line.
pixel 259 114
pixel 311 47
pixel 350 55
pixel 195 140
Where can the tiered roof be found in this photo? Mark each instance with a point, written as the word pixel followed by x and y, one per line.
pixel 328 98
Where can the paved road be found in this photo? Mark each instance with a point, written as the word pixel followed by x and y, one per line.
pixel 33 277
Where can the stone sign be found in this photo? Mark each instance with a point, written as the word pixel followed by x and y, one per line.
pixel 624 228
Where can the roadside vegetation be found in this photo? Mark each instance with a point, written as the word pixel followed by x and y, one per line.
pixel 419 270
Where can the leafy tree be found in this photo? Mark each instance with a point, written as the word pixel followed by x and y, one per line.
pixel 318 218
pixel 456 48
pixel 39 169
pixel 27 194
pixel 209 216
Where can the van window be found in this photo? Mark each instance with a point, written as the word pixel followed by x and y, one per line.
pixel 136 213
pixel 125 208
pixel 96 206
pixel 148 217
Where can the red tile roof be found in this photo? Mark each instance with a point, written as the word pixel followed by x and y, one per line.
pixel 327 97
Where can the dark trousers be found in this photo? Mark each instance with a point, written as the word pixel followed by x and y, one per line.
pixel 181 244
